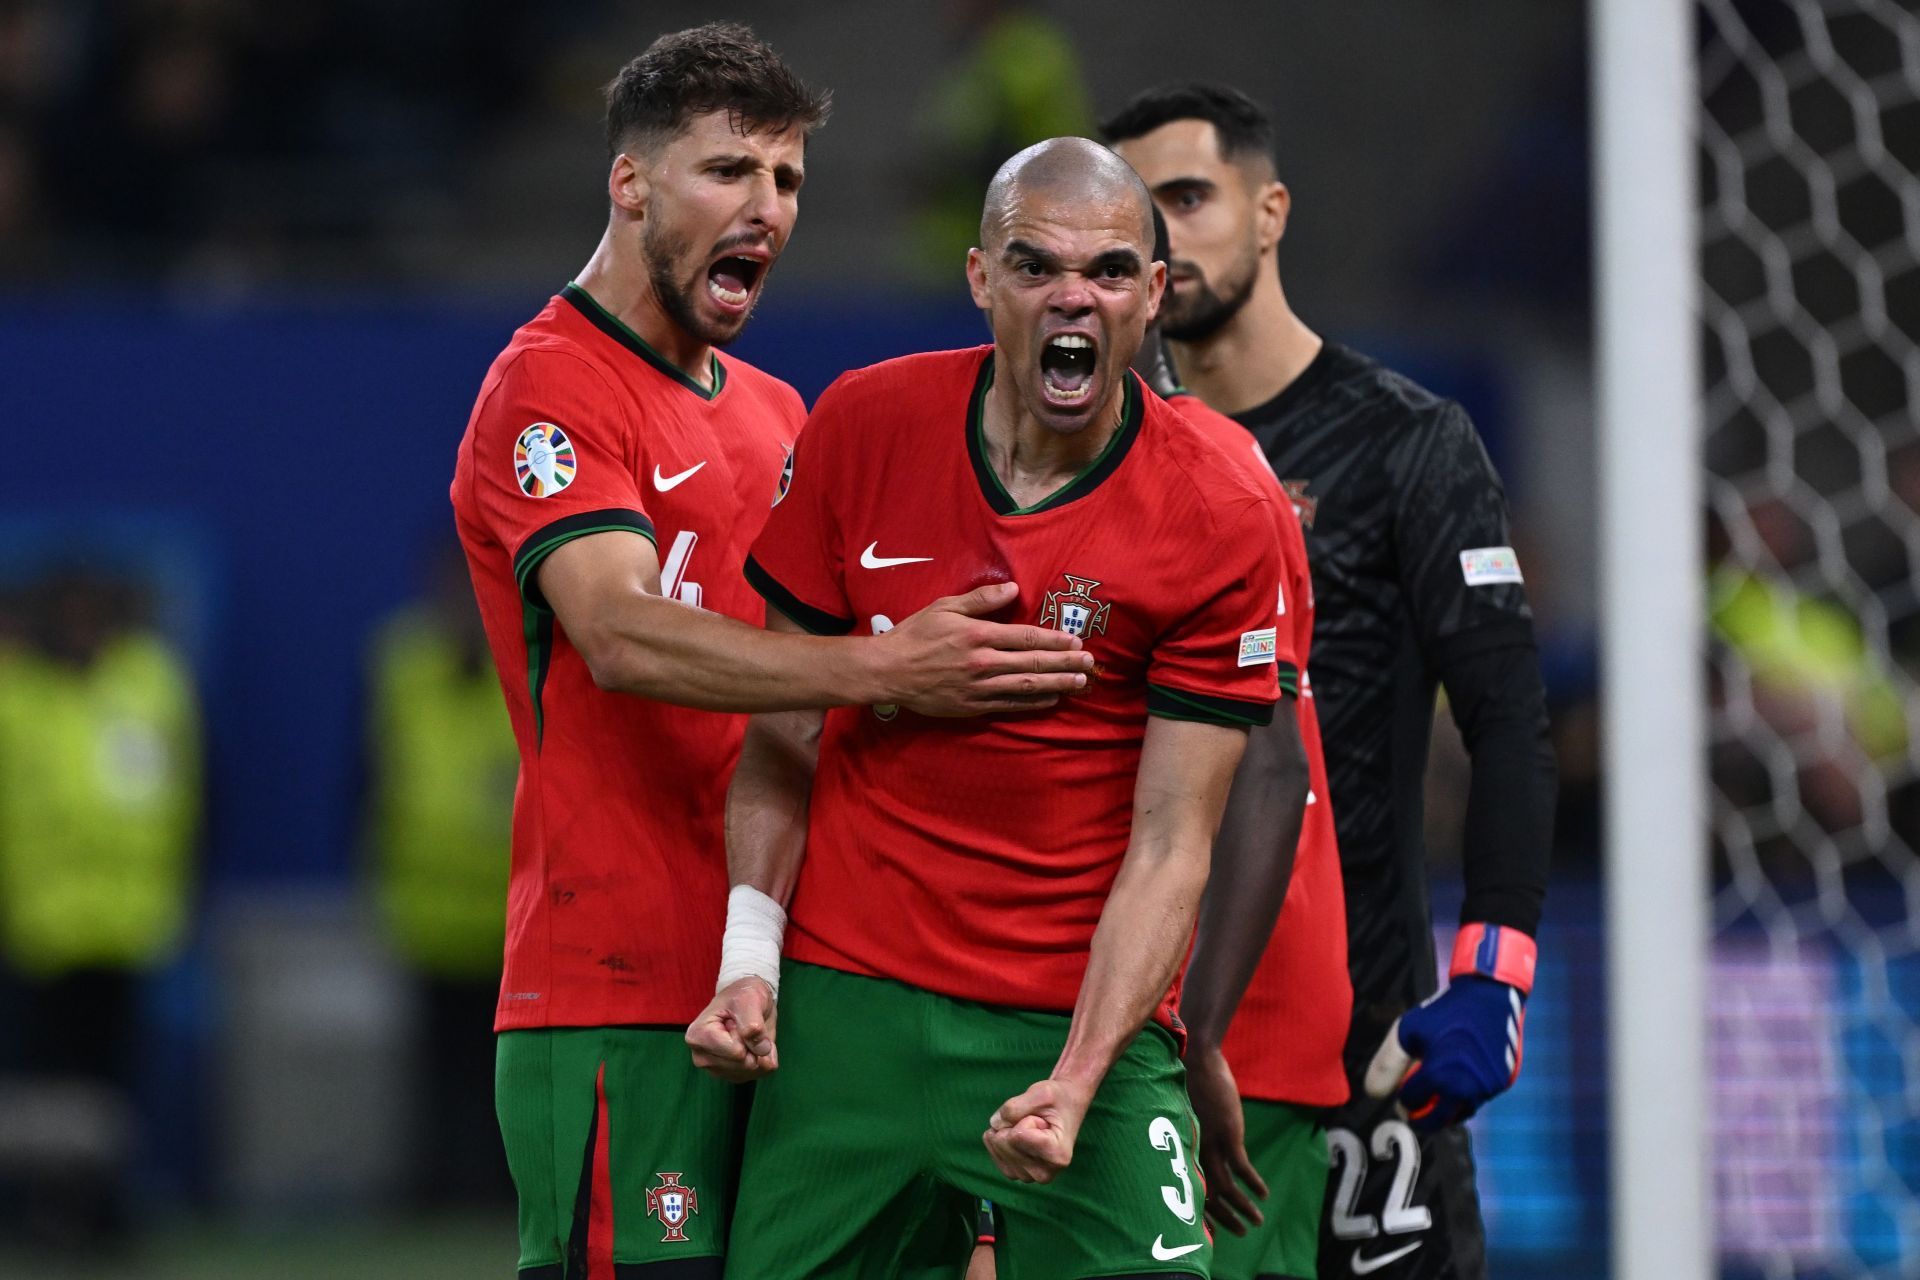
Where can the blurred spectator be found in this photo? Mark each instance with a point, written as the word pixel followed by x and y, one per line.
pixel 444 766
pixel 1016 81
pixel 100 808
pixel 1800 666
pixel 255 138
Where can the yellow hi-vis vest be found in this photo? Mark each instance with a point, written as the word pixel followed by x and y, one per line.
pixel 444 767
pixel 100 805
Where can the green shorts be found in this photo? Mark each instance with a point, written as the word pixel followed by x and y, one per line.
pixel 864 1158
pixel 1289 1148
pixel 621 1151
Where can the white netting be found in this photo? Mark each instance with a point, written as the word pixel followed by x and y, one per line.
pixel 1810 142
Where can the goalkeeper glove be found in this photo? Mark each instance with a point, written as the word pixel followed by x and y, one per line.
pixel 1462 1046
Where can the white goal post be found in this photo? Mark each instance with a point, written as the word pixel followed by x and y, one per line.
pixel 1652 643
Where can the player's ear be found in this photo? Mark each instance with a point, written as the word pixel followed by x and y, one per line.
pixel 1276 203
pixel 627 185
pixel 977 278
pixel 1156 288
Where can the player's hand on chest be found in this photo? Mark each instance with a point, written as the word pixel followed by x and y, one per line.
pixel 1111 600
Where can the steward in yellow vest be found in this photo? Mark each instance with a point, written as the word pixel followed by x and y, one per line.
pixel 100 805
pixel 443 769
pixel 443 766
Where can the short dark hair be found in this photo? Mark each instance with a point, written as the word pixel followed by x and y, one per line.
pixel 721 66
pixel 1243 125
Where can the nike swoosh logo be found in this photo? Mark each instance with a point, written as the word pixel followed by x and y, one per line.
pixel 1163 1254
pixel 1366 1266
pixel 868 560
pixel 664 483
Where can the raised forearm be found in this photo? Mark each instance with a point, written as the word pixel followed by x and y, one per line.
pixel 945 660
pixel 674 652
pixel 1252 866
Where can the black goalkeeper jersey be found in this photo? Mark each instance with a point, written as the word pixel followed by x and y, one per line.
pixel 1406 529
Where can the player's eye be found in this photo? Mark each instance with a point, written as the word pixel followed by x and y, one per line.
pixel 1114 271
pixel 1188 200
pixel 1030 269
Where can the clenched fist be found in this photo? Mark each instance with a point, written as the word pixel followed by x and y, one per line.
pixel 733 1036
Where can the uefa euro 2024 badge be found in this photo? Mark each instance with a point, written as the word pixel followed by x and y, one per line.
pixel 543 460
pixel 673 1204
pixel 1074 610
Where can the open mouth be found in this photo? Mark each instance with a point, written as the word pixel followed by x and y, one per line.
pixel 1066 368
pixel 730 280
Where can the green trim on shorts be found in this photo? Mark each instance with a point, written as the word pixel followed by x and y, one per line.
pixel 661 1116
pixel 1288 1146
pixel 864 1156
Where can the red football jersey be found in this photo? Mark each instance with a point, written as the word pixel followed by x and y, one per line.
pixel 973 857
pixel 1285 1041
pixel 618 889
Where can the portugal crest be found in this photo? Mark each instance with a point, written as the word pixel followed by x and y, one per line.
pixel 1074 610
pixel 673 1204
pixel 543 460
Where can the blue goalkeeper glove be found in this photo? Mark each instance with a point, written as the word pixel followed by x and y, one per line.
pixel 1461 1047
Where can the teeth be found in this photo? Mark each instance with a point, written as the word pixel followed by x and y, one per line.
pixel 1069 397
pixel 733 297
pixel 1072 342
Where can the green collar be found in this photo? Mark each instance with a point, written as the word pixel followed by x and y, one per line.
pixel 611 325
pixel 1132 412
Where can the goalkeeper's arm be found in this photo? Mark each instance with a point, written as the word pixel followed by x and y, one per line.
pixel 1463 1047
pixel 1500 706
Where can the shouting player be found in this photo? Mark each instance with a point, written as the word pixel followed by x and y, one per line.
pixel 1406 527
pixel 613 474
pixel 987 917
pixel 1259 1078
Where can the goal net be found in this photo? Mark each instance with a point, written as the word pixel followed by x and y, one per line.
pixel 1809 146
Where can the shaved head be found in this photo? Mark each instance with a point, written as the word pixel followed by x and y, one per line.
pixel 1064 274
pixel 1062 170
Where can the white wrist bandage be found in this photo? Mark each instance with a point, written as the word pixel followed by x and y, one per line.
pixel 750 948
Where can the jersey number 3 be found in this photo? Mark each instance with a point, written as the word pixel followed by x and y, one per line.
pixel 1167 1138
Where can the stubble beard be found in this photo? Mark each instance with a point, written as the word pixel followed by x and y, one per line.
pixel 1206 312
pixel 678 298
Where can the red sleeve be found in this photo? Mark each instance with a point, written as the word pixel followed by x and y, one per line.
pixel 797 562
pixel 1227 659
pixel 551 462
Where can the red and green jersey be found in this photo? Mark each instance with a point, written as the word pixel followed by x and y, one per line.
pixel 618 889
pixel 973 857
pixel 1284 1043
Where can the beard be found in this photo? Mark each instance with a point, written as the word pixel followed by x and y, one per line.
pixel 678 298
pixel 1206 310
